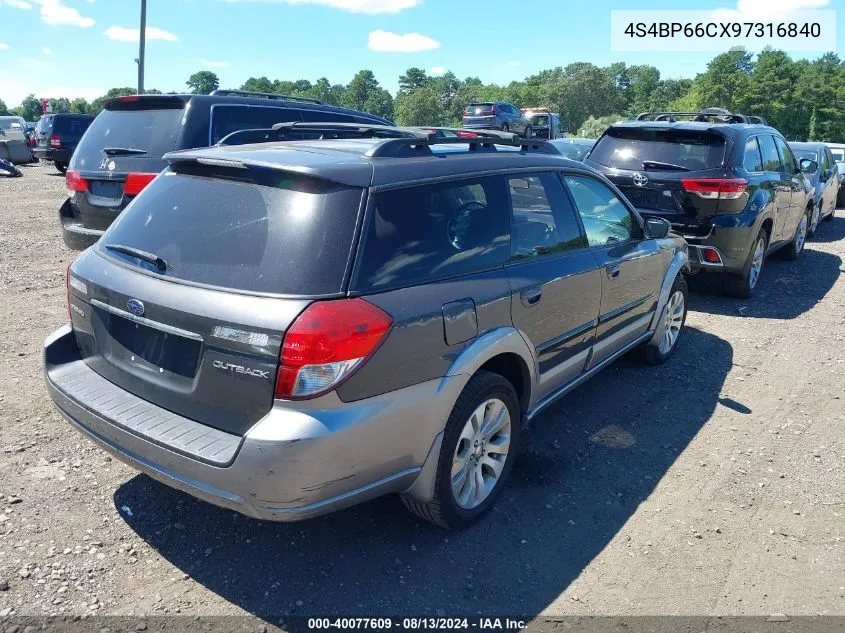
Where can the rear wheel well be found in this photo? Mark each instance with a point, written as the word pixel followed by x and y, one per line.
pixel 513 369
pixel 767 227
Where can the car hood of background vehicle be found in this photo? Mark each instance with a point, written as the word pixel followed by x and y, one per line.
pixel 318 159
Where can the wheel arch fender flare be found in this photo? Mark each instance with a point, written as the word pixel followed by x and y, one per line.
pixel 678 265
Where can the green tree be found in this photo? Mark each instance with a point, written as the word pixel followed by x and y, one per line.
pixel 726 82
pixel 423 106
pixel 97 104
pixel 413 79
pixel 60 105
pixel 594 126
pixel 364 93
pixel 583 90
pixel 258 84
pixel 203 82
pixel 4 111
pixel 79 106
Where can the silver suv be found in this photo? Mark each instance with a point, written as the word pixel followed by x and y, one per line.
pixel 290 328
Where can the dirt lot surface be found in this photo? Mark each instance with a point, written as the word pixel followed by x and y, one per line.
pixel 714 484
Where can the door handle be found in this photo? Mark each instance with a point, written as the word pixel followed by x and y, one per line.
pixel 612 271
pixel 531 296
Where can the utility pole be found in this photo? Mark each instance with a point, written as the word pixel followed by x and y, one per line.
pixel 141 43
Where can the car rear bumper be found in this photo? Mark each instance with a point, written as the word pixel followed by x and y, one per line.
pixel 76 236
pixel 51 154
pixel 292 464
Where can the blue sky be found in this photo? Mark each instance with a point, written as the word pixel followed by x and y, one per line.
pixel 81 48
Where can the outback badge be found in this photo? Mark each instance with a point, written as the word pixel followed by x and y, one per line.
pixel 135 307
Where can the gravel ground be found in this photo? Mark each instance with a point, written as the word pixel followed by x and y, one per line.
pixel 714 484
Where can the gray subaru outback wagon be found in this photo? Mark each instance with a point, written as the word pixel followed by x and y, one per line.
pixel 289 328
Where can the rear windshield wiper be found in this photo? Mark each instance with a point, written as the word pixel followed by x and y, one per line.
pixel 146 256
pixel 656 164
pixel 122 151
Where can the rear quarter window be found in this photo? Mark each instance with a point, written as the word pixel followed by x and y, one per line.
pixel 278 233
pixel 627 148
pixel 434 231
pixel 226 119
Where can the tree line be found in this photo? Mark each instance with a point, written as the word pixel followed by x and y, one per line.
pixel 804 99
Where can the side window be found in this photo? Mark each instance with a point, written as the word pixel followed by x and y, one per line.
pixel 606 219
pixel 752 161
pixel 825 163
pixel 226 119
pixel 771 159
pixel 788 160
pixel 543 220
pixel 440 230
pixel 321 116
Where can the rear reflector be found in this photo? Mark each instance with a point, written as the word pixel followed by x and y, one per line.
pixel 55 141
pixel 75 182
pixel 326 344
pixel 715 188
pixel 136 182
pixel 710 255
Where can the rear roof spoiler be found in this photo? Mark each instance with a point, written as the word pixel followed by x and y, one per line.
pixel 147 102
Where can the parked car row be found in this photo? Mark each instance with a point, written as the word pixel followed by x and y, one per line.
pixel 298 307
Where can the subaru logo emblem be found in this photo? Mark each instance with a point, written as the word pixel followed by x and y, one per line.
pixel 640 180
pixel 135 307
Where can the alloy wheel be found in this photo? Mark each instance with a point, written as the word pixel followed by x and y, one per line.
pixel 672 322
pixel 481 453
pixel 801 235
pixel 756 262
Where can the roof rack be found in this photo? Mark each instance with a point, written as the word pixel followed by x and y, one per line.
pixel 716 114
pixel 263 95
pixel 395 139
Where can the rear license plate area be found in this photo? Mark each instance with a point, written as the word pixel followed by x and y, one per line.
pixel 642 197
pixel 106 189
pixel 124 341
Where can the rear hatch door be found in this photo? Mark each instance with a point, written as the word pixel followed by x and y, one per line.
pixel 480 114
pixel 121 152
pixel 654 168
pixel 198 332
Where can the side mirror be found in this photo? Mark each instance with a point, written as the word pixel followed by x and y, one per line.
pixel 808 166
pixel 656 228
pixel 828 173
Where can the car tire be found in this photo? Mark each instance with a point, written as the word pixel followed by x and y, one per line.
pixel 743 285
pixel 461 445
pixel 505 127
pixel 62 167
pixel 670 327
pixel 815 218
pixel 794 249
pixel 528 132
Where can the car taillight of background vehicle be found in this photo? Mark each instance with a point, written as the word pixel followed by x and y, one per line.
pixel 135 183
pixel 326 343
pixel 55 141
pixel 715 188
pixel 74 182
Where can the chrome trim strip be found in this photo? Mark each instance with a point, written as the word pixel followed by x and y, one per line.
pixel 607 316
pixel 167 329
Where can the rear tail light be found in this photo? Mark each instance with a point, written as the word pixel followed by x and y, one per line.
pixel 75 182
pixel 715 188
pixel 326 344
pixel 55 141
pixel 136 182
pixel 493 110
pixel 130 98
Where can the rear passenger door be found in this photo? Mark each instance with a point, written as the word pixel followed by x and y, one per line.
pixel 781 183
pixel 555 280
pixel 631 265
pixel 794 180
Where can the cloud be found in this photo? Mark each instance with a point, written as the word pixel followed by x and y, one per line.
pixel 213 64
pixel 512 63
pixel 46 51
pixel 123 34
pixel 4 46
pixel 437 71
pixel 765 10
pixel 53 12
pixel 18 4
pixel 353 6
pixel 387 42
